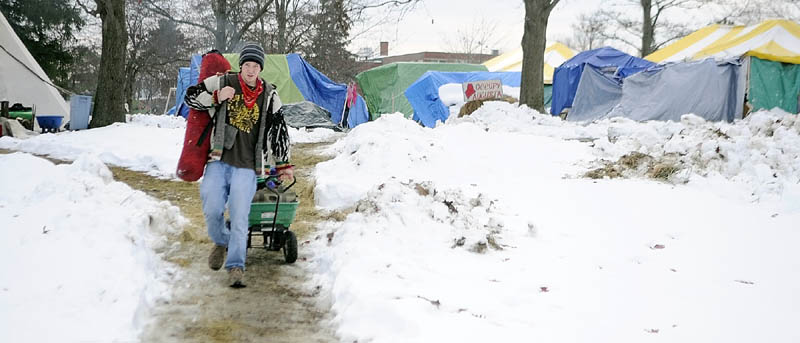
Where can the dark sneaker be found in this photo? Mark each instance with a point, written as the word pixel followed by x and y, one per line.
pixel 217 257
pixel 235 276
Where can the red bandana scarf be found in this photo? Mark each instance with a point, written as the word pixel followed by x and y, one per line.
pixel 250 95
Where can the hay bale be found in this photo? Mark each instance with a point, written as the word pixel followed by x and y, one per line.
pixel 469 107
pixel 474 105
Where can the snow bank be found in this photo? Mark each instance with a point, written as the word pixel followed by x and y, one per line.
pixel 79 252
pixel 482 229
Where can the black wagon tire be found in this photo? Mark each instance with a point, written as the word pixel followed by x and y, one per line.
pixel 290 247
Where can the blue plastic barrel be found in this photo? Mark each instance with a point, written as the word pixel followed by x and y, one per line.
pixel 80 106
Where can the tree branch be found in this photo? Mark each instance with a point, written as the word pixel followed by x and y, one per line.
pixel 389 2
pixel 252 21
pixel 86 9
pixel 155 9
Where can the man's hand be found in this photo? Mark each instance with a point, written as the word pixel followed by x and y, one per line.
pixel 286 173
pixel 225 93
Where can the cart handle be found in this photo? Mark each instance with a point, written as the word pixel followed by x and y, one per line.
pixel 278 200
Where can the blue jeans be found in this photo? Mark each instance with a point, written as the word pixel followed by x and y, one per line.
pixel 223 183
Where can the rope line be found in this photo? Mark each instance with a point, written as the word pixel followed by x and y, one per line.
pixel 63 90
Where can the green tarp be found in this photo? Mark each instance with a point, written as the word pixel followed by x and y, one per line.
pixel 548 95
pixel 383 87
pixel 276 71
pixel 774 84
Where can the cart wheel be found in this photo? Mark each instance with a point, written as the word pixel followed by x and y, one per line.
pixel 290 247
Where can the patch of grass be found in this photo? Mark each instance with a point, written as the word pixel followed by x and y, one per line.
pixel 185 195
pixel 215 331
pixel 305 158
pixel 607 171
pixel 663 170
pixel 634 159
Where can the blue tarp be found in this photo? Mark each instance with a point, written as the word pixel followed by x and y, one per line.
pixel 186 77
pixel 709 89
pixel 567 76
pixel 319 89
pixel 423 94
pixel 597 94
pixel 358 113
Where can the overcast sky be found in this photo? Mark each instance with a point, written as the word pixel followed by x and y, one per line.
pixel 433 22
pixel 429 26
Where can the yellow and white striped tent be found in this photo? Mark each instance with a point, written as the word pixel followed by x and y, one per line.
pixel 775 40
pixel 555 54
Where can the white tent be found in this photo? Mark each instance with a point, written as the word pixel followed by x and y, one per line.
pixel 22 80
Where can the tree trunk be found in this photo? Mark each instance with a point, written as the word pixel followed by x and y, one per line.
pixel 647 28
pixel 537 13
pixel 220 41
pixel 281 8
pixel 110 98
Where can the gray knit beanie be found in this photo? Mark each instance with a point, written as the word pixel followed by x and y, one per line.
pixel 252 52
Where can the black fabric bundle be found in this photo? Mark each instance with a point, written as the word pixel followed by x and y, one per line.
pixel 278 134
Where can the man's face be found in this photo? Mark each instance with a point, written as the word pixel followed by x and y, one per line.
pixel 250 72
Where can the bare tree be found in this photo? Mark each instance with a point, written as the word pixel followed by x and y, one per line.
pixel 232 18
pixel 748 12
pixel 110 96
pixel 286 29
pixel 588 32
pixel 537 13
pixel 652 30
pixel 473 38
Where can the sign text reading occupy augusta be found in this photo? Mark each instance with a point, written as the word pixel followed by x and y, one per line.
pixel 482 90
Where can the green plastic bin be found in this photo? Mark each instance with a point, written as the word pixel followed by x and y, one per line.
pixel 21 114
pixel 264 212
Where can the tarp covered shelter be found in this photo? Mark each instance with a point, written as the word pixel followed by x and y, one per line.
pixel 187 76
pixel 22 80
pixel 771 51
pixel 423 94
pixel 296 81
pixel 707 88
pixel 568 75
pixel 383 87
pixel 306 114
pixel 555 54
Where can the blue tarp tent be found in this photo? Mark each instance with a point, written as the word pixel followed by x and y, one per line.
pixel 319 89
pixel 568 75
pixel 597 94
pixel 423 94
pixel 313 86
pixel 710 89
pixel 186 78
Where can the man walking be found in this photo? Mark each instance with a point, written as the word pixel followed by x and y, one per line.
pixel 249 135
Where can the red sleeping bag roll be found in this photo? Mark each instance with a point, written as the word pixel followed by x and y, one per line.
pixel 194 156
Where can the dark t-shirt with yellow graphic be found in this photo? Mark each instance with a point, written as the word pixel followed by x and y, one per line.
pixel 242 154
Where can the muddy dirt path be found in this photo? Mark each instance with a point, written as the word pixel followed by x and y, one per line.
pixel 278 304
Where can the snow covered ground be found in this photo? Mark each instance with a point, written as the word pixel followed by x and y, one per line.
pixel 79 261
pixel 482 228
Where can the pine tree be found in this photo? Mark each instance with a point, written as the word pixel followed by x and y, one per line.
pixel 328 48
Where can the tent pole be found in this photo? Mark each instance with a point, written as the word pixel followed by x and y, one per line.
pixel 166 104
